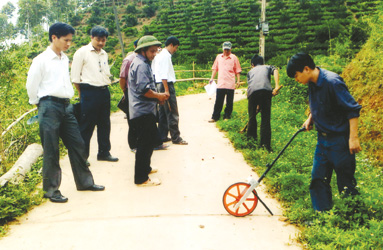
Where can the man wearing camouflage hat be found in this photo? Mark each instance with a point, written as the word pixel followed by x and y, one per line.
pixel 143 99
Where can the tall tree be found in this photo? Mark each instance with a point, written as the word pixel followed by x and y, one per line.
pixel 8 9
pixel 31 14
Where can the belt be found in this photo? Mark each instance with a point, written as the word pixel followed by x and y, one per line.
pixel 332 134
pixel 88 86
pixel 65 101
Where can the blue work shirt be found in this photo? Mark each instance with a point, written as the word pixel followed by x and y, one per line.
pixel 331 103
pixel 141 80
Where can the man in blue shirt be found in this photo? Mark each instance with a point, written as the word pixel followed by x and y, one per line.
pixel 335 113
pixel 143 100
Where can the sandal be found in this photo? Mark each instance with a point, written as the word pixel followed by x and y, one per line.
pixel 149 183
pixel 181 142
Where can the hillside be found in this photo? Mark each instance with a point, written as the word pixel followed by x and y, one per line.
pixel 364 75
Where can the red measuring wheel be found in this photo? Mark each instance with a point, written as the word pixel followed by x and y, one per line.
pixel 233 195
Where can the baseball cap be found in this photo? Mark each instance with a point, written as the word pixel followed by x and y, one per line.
pixel 226 45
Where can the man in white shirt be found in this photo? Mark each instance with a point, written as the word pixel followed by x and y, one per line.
pixel 49 88
pixel 91 75
pixel 165 78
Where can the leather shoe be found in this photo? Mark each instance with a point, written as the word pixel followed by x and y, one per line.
pixel 87 163
pixel 57 197
pixel 94 187
pixel 107 158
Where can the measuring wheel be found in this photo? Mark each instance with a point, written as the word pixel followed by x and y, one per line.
pixel 233 195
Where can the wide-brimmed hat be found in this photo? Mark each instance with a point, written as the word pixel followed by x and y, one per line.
pixel 147 41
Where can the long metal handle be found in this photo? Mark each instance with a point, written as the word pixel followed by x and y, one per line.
pixel 269 166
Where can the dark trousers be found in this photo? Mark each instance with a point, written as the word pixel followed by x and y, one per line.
pixel 331 154
pixel 168 119
pixel 147 137
pixel 56 120
pixel 95 111
pixel 261 98
pixel 132 134
pixel 220 97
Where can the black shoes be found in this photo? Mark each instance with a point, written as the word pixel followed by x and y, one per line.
pixel 87 163
pixel 94 187
pixel 57 197
pixel 107 158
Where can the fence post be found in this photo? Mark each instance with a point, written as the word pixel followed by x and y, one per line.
pixel 193 75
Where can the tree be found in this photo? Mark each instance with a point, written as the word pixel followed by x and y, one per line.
pixel 8 9
pixel 130 20
pixel 31 14
pixel 7 30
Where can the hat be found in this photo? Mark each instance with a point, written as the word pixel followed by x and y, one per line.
pixel 226 45
pixel 147 41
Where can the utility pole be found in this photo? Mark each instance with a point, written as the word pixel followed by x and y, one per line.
pixel 118 30
pixel 261 33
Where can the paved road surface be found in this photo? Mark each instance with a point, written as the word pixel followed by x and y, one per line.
pixel 183 213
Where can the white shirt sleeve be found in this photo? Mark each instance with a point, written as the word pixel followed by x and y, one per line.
pixel 33 81
pixel 76 67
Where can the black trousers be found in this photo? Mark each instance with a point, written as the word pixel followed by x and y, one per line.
pixel 168 119
pixel 220 97
pixel 147 139
pixel 261 98
pixel 56 120
pixel 95 111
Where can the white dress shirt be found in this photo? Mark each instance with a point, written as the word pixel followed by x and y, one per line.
pixel 163 67
pixel 49 76
pixel 90 67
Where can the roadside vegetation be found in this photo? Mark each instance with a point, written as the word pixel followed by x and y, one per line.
pixel 344 36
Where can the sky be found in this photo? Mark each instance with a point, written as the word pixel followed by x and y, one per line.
pixel 14 2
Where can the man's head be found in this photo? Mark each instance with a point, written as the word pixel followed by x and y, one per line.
pixel 300 67
pixel 172 44
pixel 148 47
pixel 98 37
pixel 60 35
pixel 256 60
pixel 226 47
pixel 135 43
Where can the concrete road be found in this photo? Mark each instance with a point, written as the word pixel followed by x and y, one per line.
pixel 183 213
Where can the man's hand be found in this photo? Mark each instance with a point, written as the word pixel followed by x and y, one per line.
pixel 162 97
pixel 354 145
pixel 308 124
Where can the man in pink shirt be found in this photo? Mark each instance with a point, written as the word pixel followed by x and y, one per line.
pixel 227 65
pixel 124 75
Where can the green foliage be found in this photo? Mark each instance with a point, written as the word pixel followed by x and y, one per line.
pixel 354 222
pixel 17 199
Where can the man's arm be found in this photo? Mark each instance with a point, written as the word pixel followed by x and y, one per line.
pixel 308 124
pixel 213 75
pixel 354 144
pixel 33 82
pixel 123 83
pixel 238 80
pixel 76 69
pixel 276 79
pixel 161 97
pixel 166 86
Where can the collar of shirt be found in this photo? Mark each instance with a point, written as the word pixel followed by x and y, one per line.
pixel 91 48
pixel 52 55
pixel 321 76
pixel 142 58
pixel 223 55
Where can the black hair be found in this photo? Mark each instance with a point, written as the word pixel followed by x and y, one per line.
pixel 99 32
pixel 172 40
pixel 257 60
pixel 60 29
pixel 298 62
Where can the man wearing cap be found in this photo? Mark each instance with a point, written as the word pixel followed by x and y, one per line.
pixel 143 100
pixel 227 65
pixel 91 75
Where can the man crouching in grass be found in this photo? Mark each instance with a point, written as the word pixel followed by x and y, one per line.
pixel 335 114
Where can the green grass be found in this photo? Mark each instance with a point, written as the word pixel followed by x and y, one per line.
pixel 352 223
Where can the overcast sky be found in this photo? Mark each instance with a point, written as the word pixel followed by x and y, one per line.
pixel 14 2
